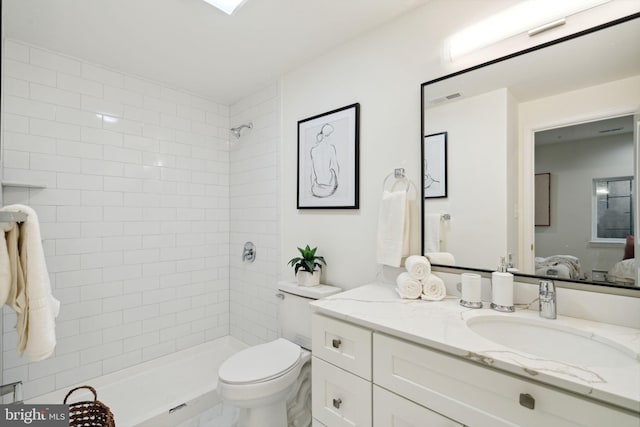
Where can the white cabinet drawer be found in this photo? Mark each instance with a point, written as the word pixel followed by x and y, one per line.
pixel 343 344
pixel 479 396
pixel 391 410
pixel 338 398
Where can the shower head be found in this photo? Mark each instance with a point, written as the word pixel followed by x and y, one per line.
pixel 237 131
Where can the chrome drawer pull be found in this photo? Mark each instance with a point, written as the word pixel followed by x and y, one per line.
pixel 336 343
pixel 337 403
pixel 527 401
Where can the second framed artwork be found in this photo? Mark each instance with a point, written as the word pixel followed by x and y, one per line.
pixel 434 158
pixel 328 163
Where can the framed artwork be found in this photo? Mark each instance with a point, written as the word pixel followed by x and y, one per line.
pixel 328 163
pixel 542 199
pixel 434 164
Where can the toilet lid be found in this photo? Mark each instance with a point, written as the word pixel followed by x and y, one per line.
pixel 260 362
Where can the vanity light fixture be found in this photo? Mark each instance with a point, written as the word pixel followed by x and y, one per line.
pixel 227 6
pixel 532 16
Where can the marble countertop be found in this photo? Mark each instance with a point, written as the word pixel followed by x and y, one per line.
pixel 442 325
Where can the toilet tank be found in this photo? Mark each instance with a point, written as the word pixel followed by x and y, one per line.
pixel 294 312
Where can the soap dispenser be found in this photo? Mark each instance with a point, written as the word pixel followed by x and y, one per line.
pixel 502 289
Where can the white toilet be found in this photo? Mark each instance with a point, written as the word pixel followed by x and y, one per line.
pixel 270 383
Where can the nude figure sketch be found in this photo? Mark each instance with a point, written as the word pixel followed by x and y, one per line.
pixel 435 165
pixel 325 167
pixel 428 179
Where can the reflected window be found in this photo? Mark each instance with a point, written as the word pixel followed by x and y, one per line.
pixel 613 209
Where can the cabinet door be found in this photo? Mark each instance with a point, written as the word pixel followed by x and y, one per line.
pixel 342 344
pixel 391 410
pixel 482 397
pixel 338 398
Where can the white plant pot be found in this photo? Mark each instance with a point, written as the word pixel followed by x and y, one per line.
pixel 307 279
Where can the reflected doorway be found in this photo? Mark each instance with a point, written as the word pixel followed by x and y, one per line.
pixel 590 201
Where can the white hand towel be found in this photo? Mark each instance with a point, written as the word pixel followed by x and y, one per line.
pixel 433 289
pixel 444 258
pixel 418 267
pixel 408 287
pixel 43 308
pixel 431 233
pixel 12 288
pixel 5 265
pixel 393 228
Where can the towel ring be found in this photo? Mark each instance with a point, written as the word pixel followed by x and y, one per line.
pixel 398 174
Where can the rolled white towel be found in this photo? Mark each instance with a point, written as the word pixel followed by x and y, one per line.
pixel 445 258
pixel 408 287
pixel 418 267
pixel 433 289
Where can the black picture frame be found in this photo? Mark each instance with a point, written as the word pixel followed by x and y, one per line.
pixel 434 165
pixel 328 160
pixel 542 200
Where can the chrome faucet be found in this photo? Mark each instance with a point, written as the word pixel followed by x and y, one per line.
pixel 547 298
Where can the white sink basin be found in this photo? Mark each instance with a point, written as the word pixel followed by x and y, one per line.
pixel 552 341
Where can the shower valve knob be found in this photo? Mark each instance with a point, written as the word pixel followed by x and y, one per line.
pixel 336 343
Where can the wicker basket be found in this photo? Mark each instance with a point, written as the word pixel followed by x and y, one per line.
pixel 89 413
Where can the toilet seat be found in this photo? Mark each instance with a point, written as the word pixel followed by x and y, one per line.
pixel 260 363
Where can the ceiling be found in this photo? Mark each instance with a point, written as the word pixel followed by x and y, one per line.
pixel 614 53
pixel 583 131
pixel 191 45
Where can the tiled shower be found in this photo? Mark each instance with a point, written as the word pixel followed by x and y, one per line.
pixel 145 201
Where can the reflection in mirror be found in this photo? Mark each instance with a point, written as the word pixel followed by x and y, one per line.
pixel 590 169
pixel 504 121
pixel 613 204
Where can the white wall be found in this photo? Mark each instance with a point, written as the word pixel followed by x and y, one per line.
pixel 512 176
pixel 573 166
pixel 254 216
pixel 382 70
pixel 477 161
pixel 135 216
pixel 2 39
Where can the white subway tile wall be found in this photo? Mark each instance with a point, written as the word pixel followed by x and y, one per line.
pixel 254 216
pixel 135 216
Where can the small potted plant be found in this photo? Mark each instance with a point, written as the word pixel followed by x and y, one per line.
pixel 308 266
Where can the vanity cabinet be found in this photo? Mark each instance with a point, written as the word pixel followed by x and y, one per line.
pixel 343 393
pixel 341 373
pixel 391 410
pixel 479 396
pixel 339 398
pixel 342 344
pixel 367 378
